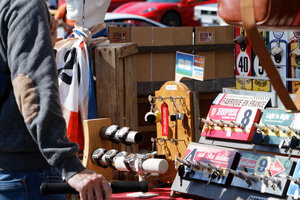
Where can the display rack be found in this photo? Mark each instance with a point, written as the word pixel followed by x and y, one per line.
pixel 272 152
pixel 101 157
pixel 180 131
pixel 218 191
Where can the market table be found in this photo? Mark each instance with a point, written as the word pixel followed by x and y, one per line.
pixel 164 193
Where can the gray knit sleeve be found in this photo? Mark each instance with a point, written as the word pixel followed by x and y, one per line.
pixel 35 83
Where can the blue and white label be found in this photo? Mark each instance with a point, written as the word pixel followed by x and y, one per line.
pixel 190 66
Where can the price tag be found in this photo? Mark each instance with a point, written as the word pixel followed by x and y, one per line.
pixel 256 198
pixel 296 193
pixel 205 173
pixel 165 119
pixel 228 133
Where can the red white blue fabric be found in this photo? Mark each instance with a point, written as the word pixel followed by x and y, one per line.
pixel 76 87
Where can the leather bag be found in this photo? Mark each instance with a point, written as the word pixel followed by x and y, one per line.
pixel 266 14
pixel 269 14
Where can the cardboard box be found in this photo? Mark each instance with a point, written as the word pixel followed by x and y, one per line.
pixel 118 34
pixel 219 63
pixel 214 35
pixel 159 66
pixel 143 67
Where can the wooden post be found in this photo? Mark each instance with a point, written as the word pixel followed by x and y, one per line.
pixel 116 87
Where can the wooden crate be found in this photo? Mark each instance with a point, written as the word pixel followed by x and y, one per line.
pixel 116 90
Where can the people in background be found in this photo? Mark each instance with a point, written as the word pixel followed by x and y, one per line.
pixel 52 4
pixel 61 16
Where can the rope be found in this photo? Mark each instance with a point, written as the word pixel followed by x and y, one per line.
pixel 91 36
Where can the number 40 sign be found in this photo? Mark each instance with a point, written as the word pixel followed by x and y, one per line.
pixel 243 64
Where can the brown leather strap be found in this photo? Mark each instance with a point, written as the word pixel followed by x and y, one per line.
pixel 297 99
pixel 248 18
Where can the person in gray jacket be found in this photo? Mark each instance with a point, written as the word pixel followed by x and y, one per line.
pixel 34 147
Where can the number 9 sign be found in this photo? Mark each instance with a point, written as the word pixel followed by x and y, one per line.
pixel 262 164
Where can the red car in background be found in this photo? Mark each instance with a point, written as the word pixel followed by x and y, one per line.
pixel 116 3
pixel 113 4
pixel 168 12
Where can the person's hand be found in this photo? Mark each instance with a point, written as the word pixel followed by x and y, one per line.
pixel 68 27
pixel 53 29
pixel 89 184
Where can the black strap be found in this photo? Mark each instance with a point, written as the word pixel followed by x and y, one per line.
pixel 123 140
pixel 5 86
pixel 111 138
pixel 98 162
pixel 108 162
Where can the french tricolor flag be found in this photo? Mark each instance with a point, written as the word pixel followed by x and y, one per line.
pixel 77 95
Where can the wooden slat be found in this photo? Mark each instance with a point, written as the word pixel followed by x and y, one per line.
pixel 115 73
pixel 120 90
pixel 116 89
pixel 150 128
pixel 106 83
pixel 123 49
pixel 184 48
pixel 130 87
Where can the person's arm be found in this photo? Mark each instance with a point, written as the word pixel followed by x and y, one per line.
pixel 53 30
pixel 35 84
pixel 60 15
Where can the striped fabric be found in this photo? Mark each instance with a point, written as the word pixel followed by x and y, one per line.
pixel 77 94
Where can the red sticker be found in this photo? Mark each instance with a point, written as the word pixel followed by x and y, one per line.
pixel 165 119
pixel 205 37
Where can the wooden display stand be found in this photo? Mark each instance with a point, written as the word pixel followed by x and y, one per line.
pixel 92 141
pixel 116 90
pixel 183 129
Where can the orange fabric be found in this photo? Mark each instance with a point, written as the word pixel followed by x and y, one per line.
pixel 61 13
pixel 75 129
